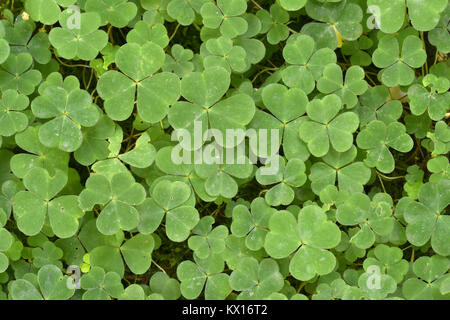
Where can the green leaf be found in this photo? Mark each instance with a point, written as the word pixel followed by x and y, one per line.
pixel 425 17
pixel 16 74
pixel 137 253
pixel 377 138
pixel 325 127
pixel 53 284
pixel 83 43
pixel 292 5
pixel 130 55
pixel 117 13
pixel 390 14
pixel 425 220
pixel 254 280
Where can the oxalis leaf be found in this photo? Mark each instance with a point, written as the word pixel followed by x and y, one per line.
pixel 308 236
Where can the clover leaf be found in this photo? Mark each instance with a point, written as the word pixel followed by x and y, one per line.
pixel 169 199
pixel 436 101
pixel 384 286
pixel 287 106
pixel 224 54
pixel 47 253
pixel 144 32
pixel 79 43
pixel 389 260
pixel 424 17
pixel 162 284
pixel 5 50
pixel 220 179
pixel 256 280
pixel 137 252
pixel 203 275
pixel 429 272
pixel 439 36
pixel 20 39
pixel 337 289
pixel 325 126
pixel 252 224
pixel 344 18
pixel 96 142
pixel 154 93
pixel 274 23
pixel 101 285
pixel 6 241
pixel 292 5
pixel 376 104
pixel 236 248
pixel 133 292
pixel 377 138
pixel 391 14
pixel 51 282
pixel 225 16
pixel 254 48
pixel 16 74
pixel 38 155
pixel 287 176
pixel 440 138
pixel 143 155
pixel 184 11
pixel 44 11
pixel 398 68
pixel 116 12
pixel 357 51
pixel 32 207
pixel 11 119
pixel 439 167
pixel 179 61
pixel 427 219
pixel 118 196
pixel 181 172
pixel 110 252
pixel 203 90
pixel 70 110
pixel 206 240
pixel 351 176
pixel 372 218
pixel 307 63
pixel 332 82
pixel 308 237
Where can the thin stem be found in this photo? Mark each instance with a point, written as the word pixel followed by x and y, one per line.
pixel 159 267
pixel 300 287
pixel 389 178
pixel 257 5
pixel 261 72
pixel 110 34
pixel 291 30
pixel 381 181
pixel 426 61
pixel 71 65
pixel 90 79
pixel 370 79
pixel 129 141
pixel 174 32
pixel 436 56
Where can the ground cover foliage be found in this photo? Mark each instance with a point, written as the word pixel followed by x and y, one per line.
pixel 93 205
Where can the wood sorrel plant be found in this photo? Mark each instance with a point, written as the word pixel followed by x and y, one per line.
pixel 332 115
